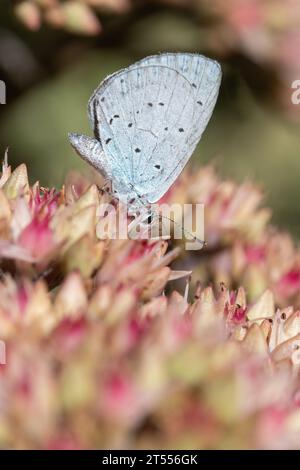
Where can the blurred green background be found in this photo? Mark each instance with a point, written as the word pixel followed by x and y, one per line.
pixel 51 62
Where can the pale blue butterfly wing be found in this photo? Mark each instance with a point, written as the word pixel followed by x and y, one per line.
pixel 149 118
pixel 137 119
pixel 204 76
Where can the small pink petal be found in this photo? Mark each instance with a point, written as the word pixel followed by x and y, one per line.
pixel 37 238
pixel 255 254
pixel 22 298
pixel 69 334
pixel 289 284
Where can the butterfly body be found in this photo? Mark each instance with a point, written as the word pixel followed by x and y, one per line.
pixel 147 120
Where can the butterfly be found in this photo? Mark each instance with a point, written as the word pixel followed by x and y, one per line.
pixel 147 120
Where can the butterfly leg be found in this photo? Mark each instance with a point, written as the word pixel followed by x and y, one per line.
pixel 106 188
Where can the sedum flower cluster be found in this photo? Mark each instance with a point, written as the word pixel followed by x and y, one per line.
pixel 101 351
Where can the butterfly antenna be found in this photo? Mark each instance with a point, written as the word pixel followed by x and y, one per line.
pixel 184 231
